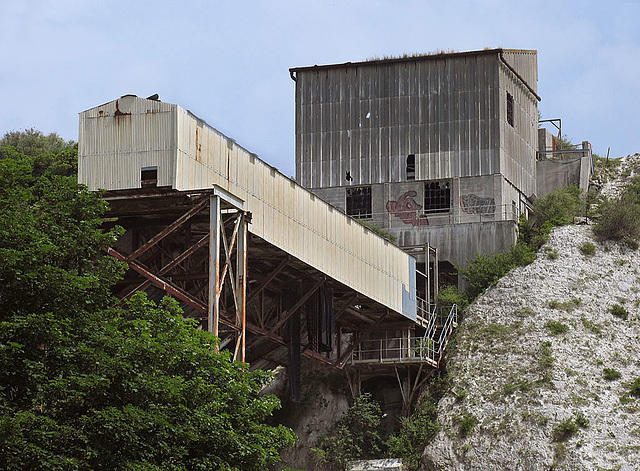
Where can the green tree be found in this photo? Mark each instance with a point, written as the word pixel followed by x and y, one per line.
pixel 357 435
pixel 33 142
pixel 84 385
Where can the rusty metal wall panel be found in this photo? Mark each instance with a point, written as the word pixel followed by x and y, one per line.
pixel 143 130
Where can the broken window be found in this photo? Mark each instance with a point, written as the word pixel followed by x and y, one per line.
pixel 359 202
pixel 437 196
pixel 411 167
pixel 510 108
pixel 149 176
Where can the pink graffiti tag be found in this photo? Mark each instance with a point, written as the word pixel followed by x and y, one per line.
pixel 407 209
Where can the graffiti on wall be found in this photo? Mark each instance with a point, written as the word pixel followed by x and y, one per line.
pixel 474 204
pixel 407 209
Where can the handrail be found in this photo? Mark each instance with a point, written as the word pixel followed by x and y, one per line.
pixel 427 348
pixel 461 212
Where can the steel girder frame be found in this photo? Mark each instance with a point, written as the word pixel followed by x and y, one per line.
pixel 227 260
pixel 195 247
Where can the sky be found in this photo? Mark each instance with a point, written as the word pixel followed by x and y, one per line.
pixel 228 62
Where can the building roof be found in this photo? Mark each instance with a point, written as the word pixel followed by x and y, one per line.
pixel 409 58
pixel 437 56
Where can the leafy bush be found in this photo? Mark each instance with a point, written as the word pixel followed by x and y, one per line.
pixel 467 422
pixel 635 388
pixel 619 218
pixel 533 234
pixel 357 435
pixel 611 375
pixel 580 420
pixel 564 430
pixel 450 295
pixel 565 306
pixel 420 427
pixel 619 311
pixel 551 253
pixel 413 435
pixel 546 356
pixel 587 249
pixel 484 271
pixel 556 327
pixel 559 208
pixel 593 327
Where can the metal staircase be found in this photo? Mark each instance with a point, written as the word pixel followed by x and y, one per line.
pixel 438 322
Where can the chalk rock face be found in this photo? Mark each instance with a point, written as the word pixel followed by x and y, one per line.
pixel 542 369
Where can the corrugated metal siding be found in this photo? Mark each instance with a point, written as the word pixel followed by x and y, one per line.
pixel 292 218
pixel 118 138
pixel 442 110
pixel 526 64
pixel 284 213
pixel 520 141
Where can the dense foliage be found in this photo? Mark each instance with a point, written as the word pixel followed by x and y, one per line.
pixel 360 433
pixel 619 218
pixel 85 385
pixel 357 435
pixel 555 209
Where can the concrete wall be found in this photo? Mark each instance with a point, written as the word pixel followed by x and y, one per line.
pixel 475 214
pixel 556 170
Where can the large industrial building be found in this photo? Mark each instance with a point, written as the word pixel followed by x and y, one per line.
pixel 438 150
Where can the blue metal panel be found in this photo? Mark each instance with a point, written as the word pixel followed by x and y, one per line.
pixel 409 304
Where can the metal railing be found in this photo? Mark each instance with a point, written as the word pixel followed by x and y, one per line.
pixel 463 213
pixel 429 347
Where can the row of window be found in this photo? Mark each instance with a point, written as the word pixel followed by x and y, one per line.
pixel 437 199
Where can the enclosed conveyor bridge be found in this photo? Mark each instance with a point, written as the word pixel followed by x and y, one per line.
pixel 271 269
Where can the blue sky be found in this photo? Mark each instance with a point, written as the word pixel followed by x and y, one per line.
pixel 228 62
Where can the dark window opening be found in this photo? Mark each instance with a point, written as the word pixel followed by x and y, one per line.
pixel 411 167
pixel 149 176
pixel 359 202
pixel 510 108
pixel 437 197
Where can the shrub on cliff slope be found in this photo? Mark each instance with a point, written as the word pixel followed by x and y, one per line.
pixel 555 209
pixel 619 218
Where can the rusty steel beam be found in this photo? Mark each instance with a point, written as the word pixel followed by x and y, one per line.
pixel 201 243
pixel 167 230
pixel 277 338
pixel 273 274
pixel 241 271
pixel 290 312
pixel 347 353
pixel 160 282
pixel 214 264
